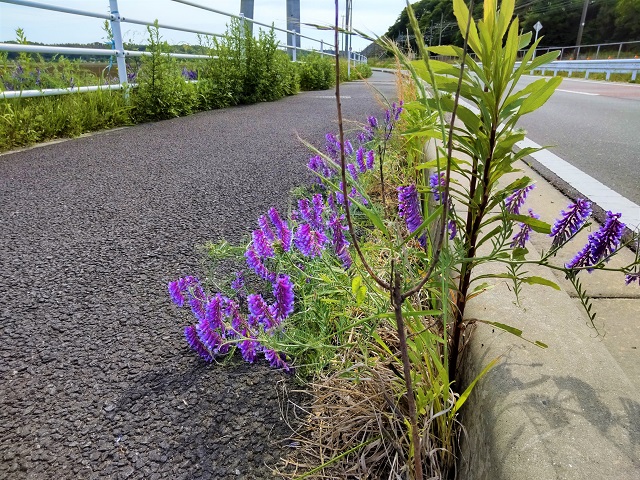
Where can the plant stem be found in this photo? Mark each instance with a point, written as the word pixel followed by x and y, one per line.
pixel 396 301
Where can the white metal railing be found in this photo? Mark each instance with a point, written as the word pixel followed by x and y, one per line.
pixel 593 66
pixel 588 50
pixel 120 53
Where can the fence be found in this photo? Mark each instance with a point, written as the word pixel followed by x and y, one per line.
pixel 595 51
pixel 593 66
pixel 118 51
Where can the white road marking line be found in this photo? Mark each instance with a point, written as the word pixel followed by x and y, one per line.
pixel 594 190
pixel 580 93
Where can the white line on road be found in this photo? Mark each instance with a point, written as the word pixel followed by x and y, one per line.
pixel 594 190
pixel 580 93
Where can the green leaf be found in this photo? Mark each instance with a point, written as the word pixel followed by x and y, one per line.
pixel 355 283
pixel 461 12
pixel 539 97
pixel 465 395
pixel 540 281
pixel 535 224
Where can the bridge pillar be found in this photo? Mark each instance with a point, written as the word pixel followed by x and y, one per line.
pixel 246 9
pixel 293 24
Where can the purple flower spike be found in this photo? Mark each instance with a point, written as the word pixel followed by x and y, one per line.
pixel 522 237
pixel 409 209
pixel 451 226
pixel 318 208
pixel 209 337
pixel 362 166
pixel 283 293
pixel 255 264
pixel 310 242
pixel 340 243
pixel 195 343
pixel 263 223
pixel 373 122
pixel 601 244
pixel 370 159
pixel 607 239
pixel 261 245
pixel 437 183
pixel 514 202
pixel 214 312
pixel 275 360
pixel 197 300
pixel 332 146
pixel 348 148
pixel 249 349
pixel 175 292
pixel 238 282
pixel 284 234
pixel 351 168
pixel 259 312
pixel 632 278
pixel 573 218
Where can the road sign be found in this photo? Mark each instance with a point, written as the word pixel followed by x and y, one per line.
pixel 537 27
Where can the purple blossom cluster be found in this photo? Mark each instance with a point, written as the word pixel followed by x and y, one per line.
pixel 437 183
pixel 570 221
pixel 522 237
pixel 188 74
pixel 221 324
pixel 409 209
pixel 514 202
pixel 600 244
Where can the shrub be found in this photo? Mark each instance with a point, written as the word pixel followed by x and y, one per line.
pixel 317 72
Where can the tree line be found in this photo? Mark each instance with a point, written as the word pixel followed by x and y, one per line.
pixel 606 21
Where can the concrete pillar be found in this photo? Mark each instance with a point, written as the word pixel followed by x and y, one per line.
pixel 246 9
pixel 293 23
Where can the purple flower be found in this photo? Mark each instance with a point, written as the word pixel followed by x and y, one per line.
pixel 332 146
pixel 249 349
pixel 607 239
pixel 318 165
pixel 370 159
pixel 373 122
pixel 261 245
pixel 514 202
pixel 255 264
pixel 175 292
pixel 259 312
pixel 437 182
pixel 451 226
pixel 283 293
pixel 214 312
pixel 409 209
pixel 263 223
pixel 238 282
pixel 522 237
pixel 284 234
pixel 348 148
pixel 189 74
pixel 209 336
pixel 194 342
pixel 309 241
pixel 318 208
pixel 571 220
pixel 601 244
pixel 362 166
pixel 340 243
pixel 275 359
pixel 351 168
pixel 632 278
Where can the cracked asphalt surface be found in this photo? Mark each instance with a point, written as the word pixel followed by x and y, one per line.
pixel 96 380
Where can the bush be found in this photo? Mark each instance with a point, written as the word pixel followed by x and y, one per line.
pixel 162 92
pixel 317 72
pixel 362 70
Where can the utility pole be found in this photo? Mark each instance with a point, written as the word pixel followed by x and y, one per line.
pixel 246 9
pixel 441 21
pixel 581 27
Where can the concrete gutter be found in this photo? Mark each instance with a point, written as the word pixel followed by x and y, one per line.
pixel 566 412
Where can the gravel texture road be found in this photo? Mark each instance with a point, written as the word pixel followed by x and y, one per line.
pixel 96 380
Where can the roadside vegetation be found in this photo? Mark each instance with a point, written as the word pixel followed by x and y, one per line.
pixel 360 288
pixel 240 69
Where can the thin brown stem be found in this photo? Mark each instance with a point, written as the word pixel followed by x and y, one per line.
pixel 396 301
pixel 356 244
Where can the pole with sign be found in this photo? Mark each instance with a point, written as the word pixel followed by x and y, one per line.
pixel 537 27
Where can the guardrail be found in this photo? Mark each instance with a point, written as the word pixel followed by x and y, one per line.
pixel 120 53
pixel 593 66
pixel 628 49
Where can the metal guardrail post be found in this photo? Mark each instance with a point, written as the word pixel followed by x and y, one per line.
pixel 321 47
pixel 117 38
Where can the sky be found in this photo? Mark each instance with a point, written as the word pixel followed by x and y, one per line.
pixel 44 26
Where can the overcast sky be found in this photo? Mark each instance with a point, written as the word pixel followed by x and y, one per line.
pixel 44 26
